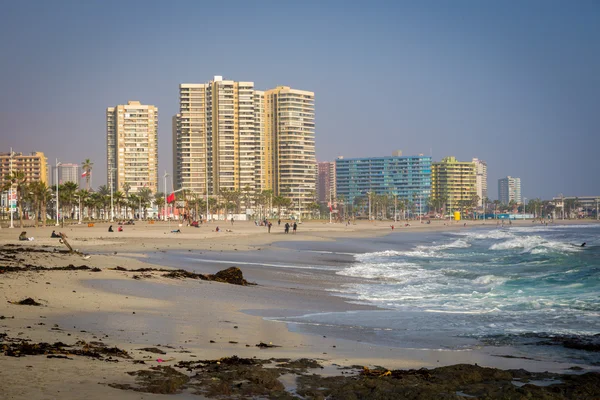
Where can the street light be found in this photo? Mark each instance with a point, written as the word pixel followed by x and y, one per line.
pixel 79 210
pixel 112 209
pixel 58 164
pixel 165 207
pixel 524 206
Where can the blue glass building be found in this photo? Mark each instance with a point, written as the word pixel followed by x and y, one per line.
pixel 408 177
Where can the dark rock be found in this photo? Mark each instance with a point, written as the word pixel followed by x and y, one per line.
pixel 232 275
pixel 263 345
pixel 159 380
pixel 27 302
pixel 153 350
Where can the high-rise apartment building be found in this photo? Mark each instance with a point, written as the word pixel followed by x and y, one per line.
pixel 407 177
pixel 481 180
pixel 34 166
pixel 509 188
pixel 454 182
pixel 216 137
pixel 326 183
pixel 65 173
pixel 229 136
pixel 132 142
pixel 290 129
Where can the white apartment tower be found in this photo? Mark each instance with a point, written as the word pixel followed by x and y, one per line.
pixel 216 137
pixel 132 143
pixel 229 136
pixel 290 128
pixel 481 179
pixel 509 188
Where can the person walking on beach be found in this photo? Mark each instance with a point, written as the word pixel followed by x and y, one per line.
pixel 231 220
pixel 279 222
pixel 269 224
pixel 294 227
pixel 287 227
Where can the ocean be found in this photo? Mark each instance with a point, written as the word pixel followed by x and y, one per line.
pixel 531 289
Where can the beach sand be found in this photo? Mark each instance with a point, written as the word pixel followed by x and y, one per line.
pixel 181 317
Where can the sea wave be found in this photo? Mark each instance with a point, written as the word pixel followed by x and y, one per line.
pixel 534 244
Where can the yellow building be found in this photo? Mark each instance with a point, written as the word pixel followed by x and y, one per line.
pixel 132 143
pixel 454 181
pixel 34 165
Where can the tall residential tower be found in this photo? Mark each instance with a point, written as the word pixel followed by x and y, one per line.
pixel 509 188
pixel 229 136
pixel 481 180
pixel 132 142
pixel 454 182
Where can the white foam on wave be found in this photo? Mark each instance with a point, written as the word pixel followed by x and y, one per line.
pixel 492 234
pixel 534 244
pixel 487 280
pixel 435 251
pixel 397 271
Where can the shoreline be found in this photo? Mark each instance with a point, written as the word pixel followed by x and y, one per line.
pixel 193 312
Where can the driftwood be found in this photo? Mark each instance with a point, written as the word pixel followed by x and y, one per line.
pixel 63 240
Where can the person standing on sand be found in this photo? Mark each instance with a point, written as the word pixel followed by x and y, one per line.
pixel 231 220
pixel 295 226
pixel 269 224
pixel 287 227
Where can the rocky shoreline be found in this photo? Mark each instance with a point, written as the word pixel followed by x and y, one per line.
pixel 164 369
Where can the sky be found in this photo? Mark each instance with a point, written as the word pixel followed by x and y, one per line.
pixel 514 83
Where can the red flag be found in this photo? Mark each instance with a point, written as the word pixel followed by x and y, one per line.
pixel 171 198
pixel 84 174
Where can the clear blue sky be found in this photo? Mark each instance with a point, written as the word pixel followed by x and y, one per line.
pixel 515 83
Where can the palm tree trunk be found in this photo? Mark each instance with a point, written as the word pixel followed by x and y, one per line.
pixel 43 211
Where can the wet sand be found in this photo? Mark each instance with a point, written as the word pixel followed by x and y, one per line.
pixel 183 315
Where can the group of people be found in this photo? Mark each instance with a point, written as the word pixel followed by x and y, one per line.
pixel 120 229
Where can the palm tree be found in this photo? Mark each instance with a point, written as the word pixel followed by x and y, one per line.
pixel 159 200
pixel 133 202
pixel 103 197
pixel 16 180
pixel 145 196
pixel 126 189
pixel 119 200
pixel 41 193
pixel 84 196
pixel 87 167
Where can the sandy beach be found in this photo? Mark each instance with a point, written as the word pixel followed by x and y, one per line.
pixel 186 319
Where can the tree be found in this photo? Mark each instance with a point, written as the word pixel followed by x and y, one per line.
pixel 126 189
pixel 87 167
pixel 119 201
pixel 103 198
pixel 145 196
pixel 159 200
pixel 17 181
pixel 41 193
pixel 84 196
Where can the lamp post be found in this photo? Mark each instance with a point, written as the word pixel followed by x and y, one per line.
pixel 166 204
pixel 420 205
pixel 79 210
pixel 56 176
pixel 524 206
pixel 395 206
pixel 112 209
